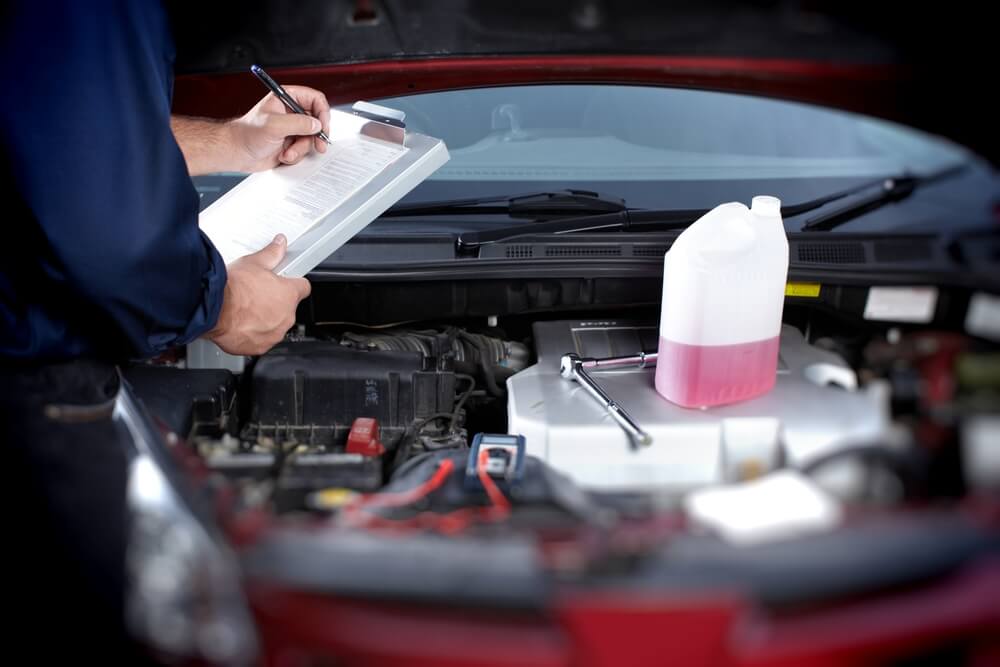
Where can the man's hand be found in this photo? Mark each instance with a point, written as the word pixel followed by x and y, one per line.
pixel 264 137
pixel 270 134
pixel 258 307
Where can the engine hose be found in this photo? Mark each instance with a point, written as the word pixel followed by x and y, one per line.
pixel 489 376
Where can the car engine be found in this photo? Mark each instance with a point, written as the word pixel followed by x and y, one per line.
pixel 308 399
pixel 350 409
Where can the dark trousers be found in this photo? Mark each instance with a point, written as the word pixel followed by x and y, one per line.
pixel 65 465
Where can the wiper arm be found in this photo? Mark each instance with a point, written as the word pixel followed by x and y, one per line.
pixel 536 205
pixel 889 191
pixel 626 220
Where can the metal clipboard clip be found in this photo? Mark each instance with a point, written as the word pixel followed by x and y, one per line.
pixel 383 123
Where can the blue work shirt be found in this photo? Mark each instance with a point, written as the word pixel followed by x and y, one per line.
pixel 101 254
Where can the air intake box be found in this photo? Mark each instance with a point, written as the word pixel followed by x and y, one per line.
pixel 311 392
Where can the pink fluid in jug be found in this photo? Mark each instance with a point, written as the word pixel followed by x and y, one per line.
pixel 696 376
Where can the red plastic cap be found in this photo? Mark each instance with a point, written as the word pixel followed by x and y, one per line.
pixel 363 438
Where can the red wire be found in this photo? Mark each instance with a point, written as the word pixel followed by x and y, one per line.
pixel 449 523
pixel 501 506
pixel 378 500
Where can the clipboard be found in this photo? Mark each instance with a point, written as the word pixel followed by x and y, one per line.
pixel 414 157
pixel 380 131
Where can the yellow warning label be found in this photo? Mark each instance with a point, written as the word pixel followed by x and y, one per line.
pixel 802 289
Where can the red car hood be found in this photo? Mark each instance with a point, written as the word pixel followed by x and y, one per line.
pixel 919 68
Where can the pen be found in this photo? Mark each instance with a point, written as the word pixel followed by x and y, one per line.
pixel 280 93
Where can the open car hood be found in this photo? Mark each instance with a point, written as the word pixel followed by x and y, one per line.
pixel 919 68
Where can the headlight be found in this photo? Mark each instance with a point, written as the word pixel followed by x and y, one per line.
pixel 184 599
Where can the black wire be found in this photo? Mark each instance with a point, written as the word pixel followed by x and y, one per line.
pixel 461 401
pixel 409 435
pixel 403 450
pixel 431 446
pixel 903 465
pixel 413 431
pixel 453 415
pixel 418 426
pixel 898 461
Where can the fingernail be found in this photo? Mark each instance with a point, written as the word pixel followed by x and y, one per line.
pixel 316 126
pixel 280 239
pixel 291 156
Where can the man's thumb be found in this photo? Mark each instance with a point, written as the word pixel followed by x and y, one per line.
pixel 271 255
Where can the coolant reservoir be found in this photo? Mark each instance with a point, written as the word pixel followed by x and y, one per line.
pixel 723 292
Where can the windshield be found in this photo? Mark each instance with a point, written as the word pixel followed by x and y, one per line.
pixel 669 148
pixel 588 133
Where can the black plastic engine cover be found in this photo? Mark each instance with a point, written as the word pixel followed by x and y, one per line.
pixel 312 391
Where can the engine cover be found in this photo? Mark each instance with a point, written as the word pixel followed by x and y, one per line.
pixel 814 409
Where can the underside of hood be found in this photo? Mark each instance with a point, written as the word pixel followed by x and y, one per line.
pixel 925 68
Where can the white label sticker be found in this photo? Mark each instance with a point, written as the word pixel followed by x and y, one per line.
pixel 901 304
pixel 983 316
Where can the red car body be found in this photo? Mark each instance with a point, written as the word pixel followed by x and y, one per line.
pixel 950 619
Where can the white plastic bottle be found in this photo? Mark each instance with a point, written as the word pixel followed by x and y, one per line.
pixel 723 293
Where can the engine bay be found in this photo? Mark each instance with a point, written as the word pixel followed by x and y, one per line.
pixel 445 427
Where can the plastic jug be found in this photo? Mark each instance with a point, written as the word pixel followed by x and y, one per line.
pixel 723 293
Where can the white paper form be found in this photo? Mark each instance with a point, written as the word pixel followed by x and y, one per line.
pixel 292 199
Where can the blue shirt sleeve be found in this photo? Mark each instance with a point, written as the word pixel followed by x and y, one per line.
pixel 86 134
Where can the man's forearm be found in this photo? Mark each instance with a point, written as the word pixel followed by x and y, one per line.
pixel 263 138
pixel 205 143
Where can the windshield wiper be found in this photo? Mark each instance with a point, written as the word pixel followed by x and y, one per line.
pixel 556 203
pixel 625 220
pixel 891 189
